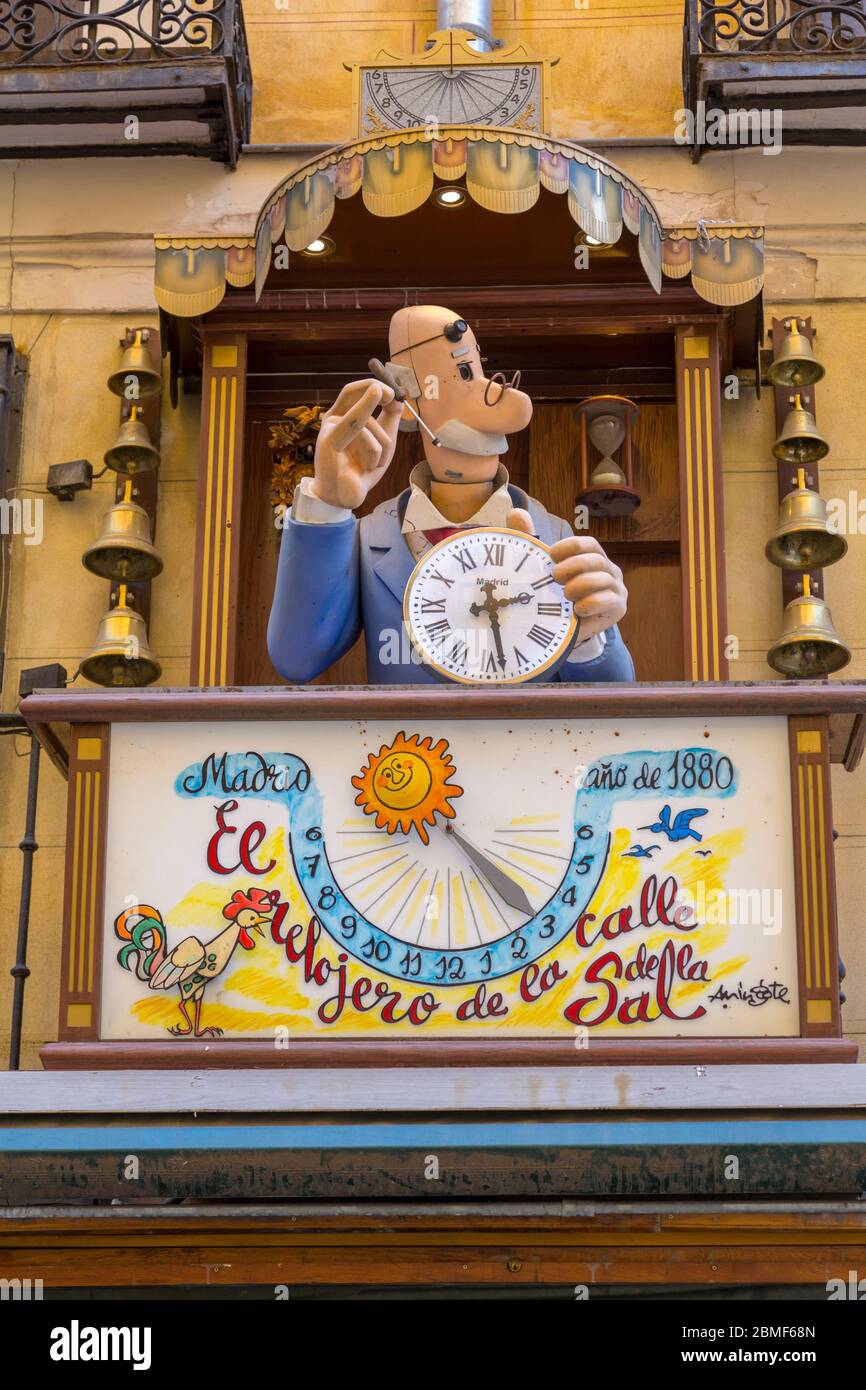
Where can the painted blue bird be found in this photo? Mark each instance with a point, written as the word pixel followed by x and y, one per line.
pixel 639 852
pixel 681 828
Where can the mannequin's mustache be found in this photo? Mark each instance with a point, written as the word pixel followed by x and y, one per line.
pixel 466 440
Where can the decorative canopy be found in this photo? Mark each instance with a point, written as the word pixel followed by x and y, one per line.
pixel 503 170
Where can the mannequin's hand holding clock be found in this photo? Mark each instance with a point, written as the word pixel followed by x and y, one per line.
pixel 588 579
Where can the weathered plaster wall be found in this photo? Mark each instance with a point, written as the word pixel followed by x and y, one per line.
pixel 618 74
pixel 76 265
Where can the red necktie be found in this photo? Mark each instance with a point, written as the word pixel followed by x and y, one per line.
pixel 441 533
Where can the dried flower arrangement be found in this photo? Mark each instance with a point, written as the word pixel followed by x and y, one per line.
pixel 294 446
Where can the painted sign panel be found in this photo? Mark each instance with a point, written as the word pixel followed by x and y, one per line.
pixel 462 877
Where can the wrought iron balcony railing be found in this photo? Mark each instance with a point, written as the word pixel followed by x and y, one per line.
pixel 795 56
pixel 780 26
pixel 151 58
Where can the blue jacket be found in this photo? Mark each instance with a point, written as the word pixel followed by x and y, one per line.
pixel 334 579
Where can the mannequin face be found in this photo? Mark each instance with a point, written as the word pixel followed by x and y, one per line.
pixel 452 401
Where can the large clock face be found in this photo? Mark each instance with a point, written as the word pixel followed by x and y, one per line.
pixel 399 98
pixel 482 608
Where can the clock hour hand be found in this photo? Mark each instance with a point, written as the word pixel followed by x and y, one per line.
pixel 490 603
pixel 490 606
pixel 507 888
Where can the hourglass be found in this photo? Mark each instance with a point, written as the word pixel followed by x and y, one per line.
pixel 608 422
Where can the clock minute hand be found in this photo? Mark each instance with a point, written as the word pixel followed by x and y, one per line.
pixel 497 638
pixel 507 888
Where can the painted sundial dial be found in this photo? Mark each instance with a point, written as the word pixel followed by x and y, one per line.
pixel 495 94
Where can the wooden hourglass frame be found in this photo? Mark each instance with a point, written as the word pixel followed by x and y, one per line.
pixel 605 496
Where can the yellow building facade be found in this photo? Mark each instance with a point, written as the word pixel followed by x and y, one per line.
pixel 254 1068
pixel 77 267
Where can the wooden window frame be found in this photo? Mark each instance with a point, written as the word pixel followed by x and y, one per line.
pixel 701 338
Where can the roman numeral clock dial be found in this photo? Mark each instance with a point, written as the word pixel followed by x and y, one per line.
pixel 482 608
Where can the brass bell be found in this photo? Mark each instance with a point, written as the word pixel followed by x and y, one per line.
pixel 124 549
pixel 800 441
pixel 135 363
pixel 132 451
pixel 796 364
pixel 809 644
pixel 121 656
pixel 803 539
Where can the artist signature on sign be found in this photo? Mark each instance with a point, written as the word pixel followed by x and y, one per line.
pixel 755 995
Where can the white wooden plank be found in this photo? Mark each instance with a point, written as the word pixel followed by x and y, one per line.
pixel 435 1089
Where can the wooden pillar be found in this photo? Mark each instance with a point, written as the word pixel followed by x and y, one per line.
pixel 87 806
pixel 218 531
pixel 702 524
pixel 814 877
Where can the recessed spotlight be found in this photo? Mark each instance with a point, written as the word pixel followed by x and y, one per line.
pixel 449 197
pixel 322 246
pixel 584 239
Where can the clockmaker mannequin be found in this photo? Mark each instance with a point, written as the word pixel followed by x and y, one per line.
pixel 338 575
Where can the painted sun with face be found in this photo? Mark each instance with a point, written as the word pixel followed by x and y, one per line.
pixel 406 783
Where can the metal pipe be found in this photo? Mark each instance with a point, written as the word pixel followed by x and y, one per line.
pixel 474 15
pixel 28 846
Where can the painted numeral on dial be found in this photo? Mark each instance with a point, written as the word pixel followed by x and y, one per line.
pixel 466 560
pixel 494 554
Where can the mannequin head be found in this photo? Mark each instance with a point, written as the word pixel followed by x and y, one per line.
pixel 436 358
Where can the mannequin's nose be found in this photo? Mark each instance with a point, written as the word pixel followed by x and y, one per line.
pixel 497 405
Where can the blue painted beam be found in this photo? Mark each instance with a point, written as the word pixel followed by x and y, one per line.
pixel 397 1135
pixel 254 1160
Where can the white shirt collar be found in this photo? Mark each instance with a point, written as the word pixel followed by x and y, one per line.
pixel 422 515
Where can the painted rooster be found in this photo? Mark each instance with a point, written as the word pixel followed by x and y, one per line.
pixel 192 964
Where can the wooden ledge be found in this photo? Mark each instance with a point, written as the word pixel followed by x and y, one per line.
pixel 437 1090
pixel 325 1053
pixel 51 712
pixel 674 699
